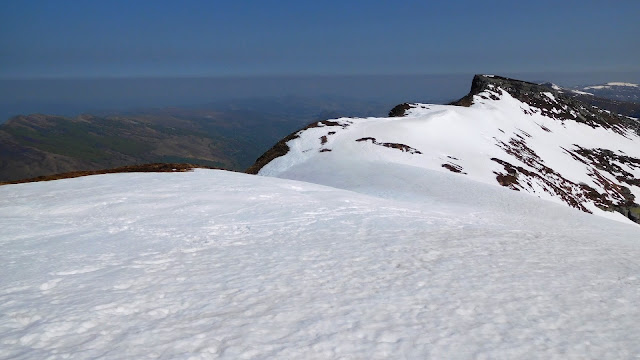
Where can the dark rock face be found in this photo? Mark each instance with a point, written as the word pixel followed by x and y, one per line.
pixel 279 149
pixel 564 107
pixel 399 110
pixel 481 83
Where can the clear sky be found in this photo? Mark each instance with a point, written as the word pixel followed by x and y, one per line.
pixel 47 38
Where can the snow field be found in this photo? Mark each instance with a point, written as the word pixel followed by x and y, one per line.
pixel 213 264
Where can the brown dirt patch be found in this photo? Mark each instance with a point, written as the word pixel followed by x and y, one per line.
pixel 401 147
pixel 156 167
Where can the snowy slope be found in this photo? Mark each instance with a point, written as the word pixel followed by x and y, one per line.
pixel 515 134
pixel 213 264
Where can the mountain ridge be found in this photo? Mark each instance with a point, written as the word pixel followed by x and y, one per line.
pixel 527 137
pixel 368 238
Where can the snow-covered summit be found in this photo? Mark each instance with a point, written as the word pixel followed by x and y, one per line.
pixel 520 135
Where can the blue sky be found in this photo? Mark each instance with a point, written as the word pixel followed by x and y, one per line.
pixel 229 38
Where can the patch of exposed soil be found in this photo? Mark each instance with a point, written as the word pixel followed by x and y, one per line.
pixel 557 106
pixel 156 167
pixel 401 147
pixel 454 168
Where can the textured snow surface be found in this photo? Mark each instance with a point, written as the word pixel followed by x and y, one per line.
pixel 213 264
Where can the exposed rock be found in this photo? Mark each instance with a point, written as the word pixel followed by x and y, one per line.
pixel 453 168
pixel 558 105
pixel 401 147
pixel 612 171
pixel 281 148
pixel 399 110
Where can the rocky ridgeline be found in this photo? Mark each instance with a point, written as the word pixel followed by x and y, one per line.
pixel 607 167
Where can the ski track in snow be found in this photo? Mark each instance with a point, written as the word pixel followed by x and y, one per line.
pixel 213 264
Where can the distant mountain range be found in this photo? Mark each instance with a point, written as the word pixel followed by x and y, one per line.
pixel 230 136
pixel 621 98
pixel 614 90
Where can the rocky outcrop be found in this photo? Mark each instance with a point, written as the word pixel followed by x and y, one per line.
pixel 399 110
pixel 548 101
pixel 401 147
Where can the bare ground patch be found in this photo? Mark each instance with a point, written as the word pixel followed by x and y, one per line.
pixel 156 167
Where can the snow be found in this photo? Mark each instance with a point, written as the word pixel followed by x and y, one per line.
pixel 364 251
pixel 214 264
pixel 622 84
pixel 471 135
pixel 610 84
pixel 582 92
pixel 555 87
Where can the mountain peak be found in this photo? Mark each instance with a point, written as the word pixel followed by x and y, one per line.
pixel 546 99
pixel 482 83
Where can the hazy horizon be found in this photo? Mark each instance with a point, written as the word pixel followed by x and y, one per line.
pixel 72 96
pixel 70 57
